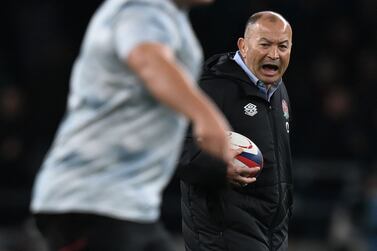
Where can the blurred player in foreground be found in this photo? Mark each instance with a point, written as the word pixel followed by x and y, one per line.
pixel 132 86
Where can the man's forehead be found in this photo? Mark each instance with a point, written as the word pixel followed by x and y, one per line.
pixel 273 39
pixel 262 29
pixel 265 24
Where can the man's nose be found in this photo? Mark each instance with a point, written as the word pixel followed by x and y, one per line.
pixel 273 53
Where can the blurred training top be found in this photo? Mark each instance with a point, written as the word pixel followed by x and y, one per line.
pixel 117 146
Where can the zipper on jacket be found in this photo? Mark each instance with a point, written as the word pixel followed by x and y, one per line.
pixel 277 156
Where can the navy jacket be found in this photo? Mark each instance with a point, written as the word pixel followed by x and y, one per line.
pixel 219 216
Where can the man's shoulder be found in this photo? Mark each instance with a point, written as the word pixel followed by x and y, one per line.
pixel 219 83
pixel 218 63
pixel 223 68
pixel 221 88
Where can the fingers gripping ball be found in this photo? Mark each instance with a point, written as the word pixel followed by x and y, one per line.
pixel 251 155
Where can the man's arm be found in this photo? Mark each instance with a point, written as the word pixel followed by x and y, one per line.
pixel 156 65
pixel 199 168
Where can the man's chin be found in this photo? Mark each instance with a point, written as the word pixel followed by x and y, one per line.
pixel 270 81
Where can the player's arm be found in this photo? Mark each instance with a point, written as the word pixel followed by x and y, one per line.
pixel 199 168
pixel 156 65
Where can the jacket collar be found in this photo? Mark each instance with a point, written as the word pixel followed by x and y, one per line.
pixel 223 65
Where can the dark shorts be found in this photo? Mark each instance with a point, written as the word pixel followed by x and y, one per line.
pixel 86 232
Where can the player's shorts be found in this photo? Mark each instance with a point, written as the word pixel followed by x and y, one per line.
pixel 87 232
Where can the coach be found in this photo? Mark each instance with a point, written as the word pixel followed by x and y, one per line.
pixel 223 208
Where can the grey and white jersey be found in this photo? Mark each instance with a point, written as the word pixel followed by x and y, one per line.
pixel 117 146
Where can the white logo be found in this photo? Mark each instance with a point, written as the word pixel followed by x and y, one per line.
pixel 250 109
pixel 287 126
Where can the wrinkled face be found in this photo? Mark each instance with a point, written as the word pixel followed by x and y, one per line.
pixel 266 49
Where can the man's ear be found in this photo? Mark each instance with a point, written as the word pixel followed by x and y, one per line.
pixel 242 46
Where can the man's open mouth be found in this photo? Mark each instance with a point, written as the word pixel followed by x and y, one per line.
pixel 270 67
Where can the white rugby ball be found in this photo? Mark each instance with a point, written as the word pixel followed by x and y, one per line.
pixel 251 155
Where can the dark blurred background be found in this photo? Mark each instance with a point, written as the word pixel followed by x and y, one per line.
pixel 332 81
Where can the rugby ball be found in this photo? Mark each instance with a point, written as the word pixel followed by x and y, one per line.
pixel 251 155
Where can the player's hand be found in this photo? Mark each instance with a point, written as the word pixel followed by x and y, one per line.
pixel 240 175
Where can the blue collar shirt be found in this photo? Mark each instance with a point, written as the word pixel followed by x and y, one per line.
pixel 258 83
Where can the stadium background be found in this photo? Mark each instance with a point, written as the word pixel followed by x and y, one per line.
pixel 332 81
